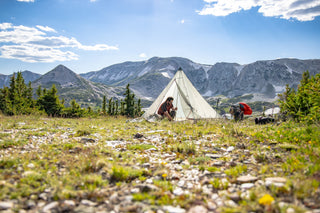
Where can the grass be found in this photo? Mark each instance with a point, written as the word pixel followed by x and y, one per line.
pixel 39 154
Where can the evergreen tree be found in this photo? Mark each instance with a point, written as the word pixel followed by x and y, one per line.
pixel 116 108
pixel 49 102
pixel 129 102
pixel 74 110
pixel 303 104
pixel 113 108
pixel 122 107
pixel 17 99
pixel 104 105
pixel 138 108
pixel 110 106
pixel 39 91
pixel 5 102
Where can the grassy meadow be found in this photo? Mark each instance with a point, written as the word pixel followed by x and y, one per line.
pixel 52 160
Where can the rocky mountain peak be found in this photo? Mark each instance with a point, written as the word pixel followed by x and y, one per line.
pixel 60 75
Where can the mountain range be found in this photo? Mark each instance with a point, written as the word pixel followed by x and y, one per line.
pixel 28 76
pixel 148 78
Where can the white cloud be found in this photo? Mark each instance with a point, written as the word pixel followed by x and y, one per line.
pixel 26 0
pixel 32 44
pixel 143 55
pixel 93 0
pixel 46 28
pixel 302 10
pixel 31 53
pixel 182 21
pixel 4 26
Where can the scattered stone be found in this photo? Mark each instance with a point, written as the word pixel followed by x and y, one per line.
pixel 149 181
pixel 50 206
pixel 31 165
pixel 235 197
pixel 181 183
pixel 87 140
pixel 246 179
pixel 178 191
pixel 138 135
pixel 6 205
pixel 135 190
pixel 172 209
pixel 30 204
pixel 70 203
pixel 218 163
pixel 247 185
pixel 84 209
pixel 147 187
pixel 230 149
pixel 214 156
pixel 114 198
pixel 290 210
pixel 230 203
pixel 130 208
pixel 88 203
pixel 276 181
pixel 198 209
pixel 43 196
pixel 240 146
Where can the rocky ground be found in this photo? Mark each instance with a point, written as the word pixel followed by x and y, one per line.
pixel 49 165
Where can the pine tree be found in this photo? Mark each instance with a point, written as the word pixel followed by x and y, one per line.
pixel 49 102
pixel 17 99
pixel 122 107
pixel 110 107
pixel 303 104
pixel 138 108
pixel 116 110
pixel 104 105
pixel 5 102
pixel 129 102
pixel 39 91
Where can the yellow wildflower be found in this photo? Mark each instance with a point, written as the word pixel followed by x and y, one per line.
pixel 266 200
pixel 164 175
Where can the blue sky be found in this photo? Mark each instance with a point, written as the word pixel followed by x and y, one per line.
pixel 88 35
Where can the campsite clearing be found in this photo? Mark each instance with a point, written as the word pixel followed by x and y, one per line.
pixel 103 165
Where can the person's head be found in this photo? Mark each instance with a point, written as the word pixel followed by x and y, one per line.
pixel 169 99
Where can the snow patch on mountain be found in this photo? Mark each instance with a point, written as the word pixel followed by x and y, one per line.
pixel 289 69
pixel 207 67
pixel 145 70
pixel 169 67
pixel 166 74
pixel 106 74
pixel 239 68
pixel 279 89
pixel 195 65
pixel 208 93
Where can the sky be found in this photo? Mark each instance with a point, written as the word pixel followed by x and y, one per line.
pixel 88 35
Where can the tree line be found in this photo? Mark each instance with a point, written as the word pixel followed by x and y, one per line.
pixel 17 99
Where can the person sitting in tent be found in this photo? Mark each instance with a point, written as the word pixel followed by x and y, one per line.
pixel 167 109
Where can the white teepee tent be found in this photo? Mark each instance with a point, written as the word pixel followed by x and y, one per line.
pixel 191 105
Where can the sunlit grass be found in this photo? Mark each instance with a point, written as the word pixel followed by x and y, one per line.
pixel 40 153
